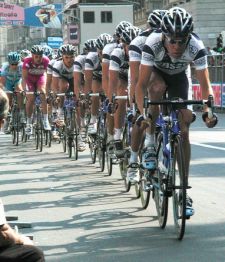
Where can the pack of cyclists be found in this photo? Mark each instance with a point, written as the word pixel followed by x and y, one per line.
pixel 130 63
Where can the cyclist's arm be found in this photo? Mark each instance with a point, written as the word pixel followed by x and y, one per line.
pixel 55 84
pixel 24 78
pixel 3 80
pixel 113 82
pixel 204 81
pixel 142 84
pixel 48 82
pixel 88 75
pixel 105 78
pixel 134 72
pixel 77 83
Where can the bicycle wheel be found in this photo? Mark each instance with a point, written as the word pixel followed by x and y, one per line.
pixel 179 184
pixel 145 188
pixel 92 147
pixel 124 162
pixel 137 190
pixel 15 127
pixel 160 185
pixel 75 135
pixel 109 164
pixel 101 142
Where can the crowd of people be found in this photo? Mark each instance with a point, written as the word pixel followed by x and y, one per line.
pixel 131 62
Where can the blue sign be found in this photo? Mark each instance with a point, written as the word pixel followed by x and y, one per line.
pixel 49 16
pixel 55 42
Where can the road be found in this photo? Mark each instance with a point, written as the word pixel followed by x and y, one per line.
pixel 79 214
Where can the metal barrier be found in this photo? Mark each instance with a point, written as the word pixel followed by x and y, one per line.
pixel 216 67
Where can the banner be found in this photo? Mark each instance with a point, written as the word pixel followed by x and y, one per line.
pixel 73 34
pixel 55 42
pixel 218 93
pixel 11 14
pixel 49 16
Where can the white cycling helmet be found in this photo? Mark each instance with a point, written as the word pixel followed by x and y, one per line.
pixel 103 40
pixel 177 22
pixel 155 18
pixel 129 33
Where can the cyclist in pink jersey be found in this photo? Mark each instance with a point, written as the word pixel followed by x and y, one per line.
pixel 34 78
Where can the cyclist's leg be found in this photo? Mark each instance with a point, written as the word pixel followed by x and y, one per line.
pixel 178 87
pixel 96 88
pixel 8 87
pixel 19 89
pixel 41 87
pixel 120 113
pixel 63 87
pixel 30 87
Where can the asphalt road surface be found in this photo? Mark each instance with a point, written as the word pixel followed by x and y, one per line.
pixel 79 214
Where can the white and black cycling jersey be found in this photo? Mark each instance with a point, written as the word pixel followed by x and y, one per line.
pixel 93 63
pixel 107 50
pixel 50 66
pixel 137 44
pixel 79 63
pixel 61 70
pixel 119 61
pixel 155 54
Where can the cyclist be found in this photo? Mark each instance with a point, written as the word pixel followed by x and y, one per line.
pixel 135 50
pixel 62 80
pixel 11 78
pixel 62 77
pixel 118 83
pixel 93 77
pixel 24 53
pixel 106 54
pixel 34 78
pixel 165 58
pixel 79 66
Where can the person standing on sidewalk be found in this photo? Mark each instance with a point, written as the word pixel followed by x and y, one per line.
pixel 14 247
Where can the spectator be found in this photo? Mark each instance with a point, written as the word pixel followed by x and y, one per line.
pixel 14 247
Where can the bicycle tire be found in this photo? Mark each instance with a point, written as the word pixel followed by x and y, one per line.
pixel 160 190
pixel 124 162
pixel 75 135
pixel 144 194
pixel 179 185
pixel 137 190
pixel 101 142
pixel 93 149
pixel 41 132
pixel 109 164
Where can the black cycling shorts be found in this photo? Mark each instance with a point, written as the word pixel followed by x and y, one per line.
pixel 177 85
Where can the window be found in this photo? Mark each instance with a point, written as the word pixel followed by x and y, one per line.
pixel 89 17
pixel 106 17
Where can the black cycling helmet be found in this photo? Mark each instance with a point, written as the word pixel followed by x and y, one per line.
pixel 67 49
pixel 177 22
pixel 37 50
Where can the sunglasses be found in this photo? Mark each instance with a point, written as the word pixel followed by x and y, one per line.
pixel 14 64
pixel 179 42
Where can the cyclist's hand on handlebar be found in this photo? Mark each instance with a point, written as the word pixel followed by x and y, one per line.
pixel 210 122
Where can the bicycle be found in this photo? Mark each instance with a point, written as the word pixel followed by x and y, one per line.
pixel 69 133
pixel 101 138
pixel 39 132
pixel 16 126
pixel 170 178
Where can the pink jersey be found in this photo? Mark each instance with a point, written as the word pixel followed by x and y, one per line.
pixel 36 72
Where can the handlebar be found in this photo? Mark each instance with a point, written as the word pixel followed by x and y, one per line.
pixel 209 102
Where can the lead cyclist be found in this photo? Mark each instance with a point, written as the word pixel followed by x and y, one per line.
pixel 177 47
pixel 34 79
